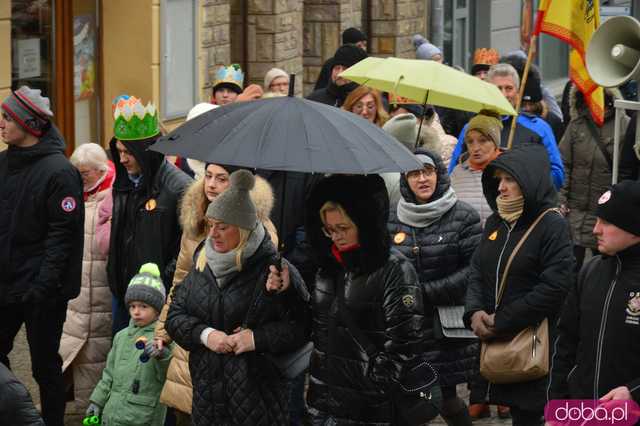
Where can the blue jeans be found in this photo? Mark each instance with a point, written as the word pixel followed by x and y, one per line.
pixel 119 315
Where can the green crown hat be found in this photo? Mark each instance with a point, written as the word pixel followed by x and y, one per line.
pixel 132 120
pixel 232 74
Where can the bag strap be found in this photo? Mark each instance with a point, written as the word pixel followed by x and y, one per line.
pixel 598 138
pixel 355 331
pixel 503 280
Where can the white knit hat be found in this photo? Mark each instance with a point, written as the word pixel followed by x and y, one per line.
pixel 403 128
pixel 200 108
pixel 271 75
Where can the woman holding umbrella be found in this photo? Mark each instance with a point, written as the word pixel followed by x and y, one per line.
pixel 346 228
pixel 224 317
pixel 517 186
pixel 438 234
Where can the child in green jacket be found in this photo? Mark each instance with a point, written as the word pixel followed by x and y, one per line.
pixel 129 391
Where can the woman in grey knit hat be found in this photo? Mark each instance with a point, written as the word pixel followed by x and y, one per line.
pixel 224 316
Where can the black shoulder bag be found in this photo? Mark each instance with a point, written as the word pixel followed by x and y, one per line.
pixel 416 396
pixel 290 364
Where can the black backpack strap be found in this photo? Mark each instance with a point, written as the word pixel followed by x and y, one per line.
pixel 356 332
pixel 598 138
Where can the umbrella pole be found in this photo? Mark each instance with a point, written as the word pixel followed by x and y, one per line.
pixel 525 73
pixel 424 110
pixel 292 85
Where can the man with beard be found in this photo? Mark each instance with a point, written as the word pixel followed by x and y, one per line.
pixel 339 88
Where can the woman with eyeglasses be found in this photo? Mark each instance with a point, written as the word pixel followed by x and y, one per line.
pixel 367 103
pixel 345 224
pixel 177 390
pixel 438 234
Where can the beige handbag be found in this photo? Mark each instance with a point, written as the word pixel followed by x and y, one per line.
pixel 525 356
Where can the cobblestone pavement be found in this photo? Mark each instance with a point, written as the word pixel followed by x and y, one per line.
pixel 21 366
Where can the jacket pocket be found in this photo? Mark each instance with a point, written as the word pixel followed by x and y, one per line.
pixel 140 409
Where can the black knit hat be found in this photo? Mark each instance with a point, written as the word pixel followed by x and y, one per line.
pixel 620 206
pixel 352 36
pixel 532 89
pixel 348 55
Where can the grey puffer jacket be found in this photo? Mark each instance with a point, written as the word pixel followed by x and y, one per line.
pixel 588 173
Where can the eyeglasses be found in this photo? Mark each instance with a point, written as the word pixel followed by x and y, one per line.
pixel 359 107
pixel 340 230
pixel 426 172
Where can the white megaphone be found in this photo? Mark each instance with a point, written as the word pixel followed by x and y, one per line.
pixel 613 55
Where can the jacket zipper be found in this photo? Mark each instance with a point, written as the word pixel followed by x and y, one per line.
pixel 509 229
pixel 603 325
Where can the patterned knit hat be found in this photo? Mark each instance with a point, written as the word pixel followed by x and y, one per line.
pixel 29 109
pixel 483 58
pixel 147 287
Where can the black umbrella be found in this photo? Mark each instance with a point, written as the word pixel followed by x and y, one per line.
pixel 288 134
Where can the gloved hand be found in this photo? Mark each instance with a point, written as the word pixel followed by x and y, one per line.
pixel 154 351
pixel 93 410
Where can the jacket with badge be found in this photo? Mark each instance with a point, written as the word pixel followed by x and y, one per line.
pixel 441 253
pixel 588 172
pixel 144 223
pixel 599 330
pixel 41 222
pixel 382 295
pixel 243 389
pixel 129 390
pixel 541 272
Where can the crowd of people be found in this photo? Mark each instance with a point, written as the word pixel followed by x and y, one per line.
pixel 167 291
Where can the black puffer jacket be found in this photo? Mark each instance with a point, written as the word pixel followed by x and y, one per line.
pixel 382 296
pixel 541 272
pixel 16 406
pixel 241 389
pixel 41 221
pixel 441 254
pixel 143 230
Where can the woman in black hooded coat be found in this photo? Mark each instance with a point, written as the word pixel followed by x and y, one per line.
pixel 540 274
pixel 381 295
pixel 438 234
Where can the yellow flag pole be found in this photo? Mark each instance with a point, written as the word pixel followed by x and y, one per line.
pixel 523 82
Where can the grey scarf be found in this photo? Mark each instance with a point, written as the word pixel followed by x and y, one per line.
pixel 223 265
pixel 423 215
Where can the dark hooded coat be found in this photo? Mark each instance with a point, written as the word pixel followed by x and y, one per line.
pixel 382 296
pixel 41 222
pixel 333 94
pixel 540 274
pixel 587 170
pixel 144 232
pixel 442 260
pixel 240 389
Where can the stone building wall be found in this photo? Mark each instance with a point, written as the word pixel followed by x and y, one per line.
pixel 300 35
pixel 214 40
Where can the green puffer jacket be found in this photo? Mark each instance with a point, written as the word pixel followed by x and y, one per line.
pixel 587 172
pixel 115 391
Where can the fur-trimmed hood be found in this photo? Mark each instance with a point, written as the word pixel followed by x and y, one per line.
pixel 194 206
pixel 578 107
pixel 365 200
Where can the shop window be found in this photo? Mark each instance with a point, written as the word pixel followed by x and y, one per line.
pixel 32 45
pixel 178 60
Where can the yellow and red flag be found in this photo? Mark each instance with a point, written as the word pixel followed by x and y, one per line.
pixel 574 22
